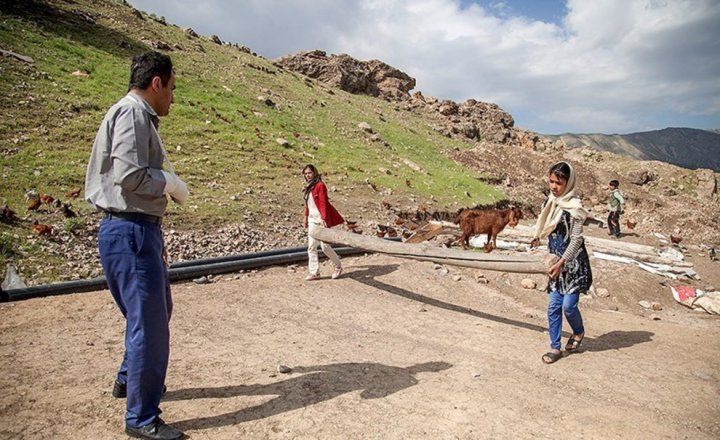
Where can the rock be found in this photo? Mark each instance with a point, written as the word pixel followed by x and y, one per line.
pixel 602 293
pixel 283 142
pixel 373 78
pixel 707 184
pixel 654 317
pixel 202 280
pixel 364 126
pixel 528 283
pixel 641 177
pixel 215 39
pixel 448 108
pixel 457 278
pixel 190 33
pixel 12 280
pixel 284 369
pixel 656 306
pixel 645 304
pixel 443 271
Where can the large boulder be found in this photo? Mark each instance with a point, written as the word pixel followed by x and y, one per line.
pixel 373 78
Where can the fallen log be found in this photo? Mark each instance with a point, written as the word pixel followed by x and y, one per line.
pixel 524 234
pixel 499 262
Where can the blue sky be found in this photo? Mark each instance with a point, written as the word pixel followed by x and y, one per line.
pixel 583 66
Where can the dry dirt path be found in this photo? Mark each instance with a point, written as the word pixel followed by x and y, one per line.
pixel 391 351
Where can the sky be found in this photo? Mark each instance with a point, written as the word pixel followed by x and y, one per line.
pixel 579 66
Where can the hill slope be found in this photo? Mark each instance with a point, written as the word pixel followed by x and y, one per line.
pixel 685 147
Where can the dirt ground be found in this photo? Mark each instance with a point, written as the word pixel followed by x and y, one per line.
pixel 395 349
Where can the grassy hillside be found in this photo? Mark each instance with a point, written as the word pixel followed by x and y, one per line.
pixel 221 135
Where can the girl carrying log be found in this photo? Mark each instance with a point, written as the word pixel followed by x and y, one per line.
pixel 561 221
pixel 319 212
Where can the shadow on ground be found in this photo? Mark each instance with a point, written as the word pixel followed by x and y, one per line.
pixel 315 384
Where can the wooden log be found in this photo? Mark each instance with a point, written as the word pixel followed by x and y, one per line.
pixel 505 263
pixel 635 251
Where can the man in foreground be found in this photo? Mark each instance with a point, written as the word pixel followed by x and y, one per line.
pixel 126 180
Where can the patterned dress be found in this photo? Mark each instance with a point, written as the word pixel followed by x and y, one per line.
pixel 576 276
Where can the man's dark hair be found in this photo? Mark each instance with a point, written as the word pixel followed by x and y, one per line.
pixel 614 183
pixel 148 65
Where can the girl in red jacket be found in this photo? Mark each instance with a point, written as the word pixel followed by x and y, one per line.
pixel 319 212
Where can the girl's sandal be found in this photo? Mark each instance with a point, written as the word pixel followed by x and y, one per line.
pixel 573 344
pixel 551 358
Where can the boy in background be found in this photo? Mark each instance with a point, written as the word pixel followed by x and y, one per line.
pixel 617 203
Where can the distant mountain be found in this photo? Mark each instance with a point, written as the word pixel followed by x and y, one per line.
pixel 685 147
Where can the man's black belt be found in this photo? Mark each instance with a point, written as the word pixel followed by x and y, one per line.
pixel 133 217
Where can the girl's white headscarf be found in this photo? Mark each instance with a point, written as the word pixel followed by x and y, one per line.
pixel 552 211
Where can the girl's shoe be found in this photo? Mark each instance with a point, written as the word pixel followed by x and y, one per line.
pixel 337 273
pixel 312 277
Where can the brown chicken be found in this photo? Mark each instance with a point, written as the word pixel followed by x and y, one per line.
pixel 73 193
pixel 630 225
pixel 386 204
pixel 675 239
pixel 40 229
pixel 34 204
pixel 46 198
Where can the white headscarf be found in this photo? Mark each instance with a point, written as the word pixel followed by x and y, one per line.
pixel 552 211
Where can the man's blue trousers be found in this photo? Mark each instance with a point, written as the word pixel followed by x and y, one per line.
pixel 131 253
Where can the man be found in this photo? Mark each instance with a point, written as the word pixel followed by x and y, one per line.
pixel 125 179
pixel 616 206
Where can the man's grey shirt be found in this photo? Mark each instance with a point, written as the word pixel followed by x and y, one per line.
pixel 124 173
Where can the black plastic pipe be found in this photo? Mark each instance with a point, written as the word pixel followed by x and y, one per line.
pixel 180 271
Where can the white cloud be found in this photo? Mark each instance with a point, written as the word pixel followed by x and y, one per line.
pixel 609 66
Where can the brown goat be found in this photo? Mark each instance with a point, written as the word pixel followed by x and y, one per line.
pixel 486 221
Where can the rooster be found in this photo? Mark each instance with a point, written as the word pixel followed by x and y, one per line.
pixel 630 225
pixel 73 193
pixel 675 239
pixel 40 229
pixel 46 198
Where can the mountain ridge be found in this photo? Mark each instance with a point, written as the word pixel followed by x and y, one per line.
pixel 690 148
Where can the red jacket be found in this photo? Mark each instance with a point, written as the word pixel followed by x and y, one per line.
pixel 327 211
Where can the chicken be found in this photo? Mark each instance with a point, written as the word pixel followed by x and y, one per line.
pixel 675 239
pixel 630 225
pixel 34 204
pixel 67 210
pixel 7 214
pixel 46 198
pixel 386 204
pixel 399 221
pixel 73 193
pixel 40 229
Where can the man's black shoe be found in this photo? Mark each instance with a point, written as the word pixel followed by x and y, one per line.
pixel 120 390
pixel 157 430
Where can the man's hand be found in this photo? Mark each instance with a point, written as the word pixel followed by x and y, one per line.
pixel 175 188
pixel 324 224
pixel 166 258
pixel 535 243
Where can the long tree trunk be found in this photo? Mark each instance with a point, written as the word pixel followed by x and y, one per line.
pixel 504 263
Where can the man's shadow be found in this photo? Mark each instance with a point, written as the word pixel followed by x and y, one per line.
pixel 613 340
pixel 315 384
